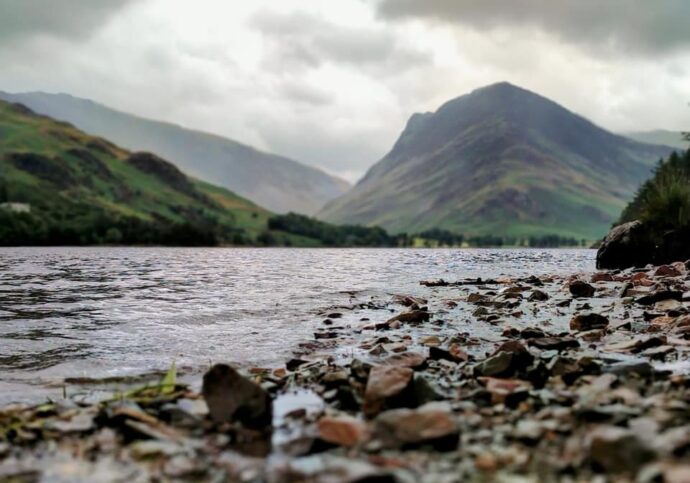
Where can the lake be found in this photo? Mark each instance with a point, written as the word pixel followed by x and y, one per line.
pixel 100 312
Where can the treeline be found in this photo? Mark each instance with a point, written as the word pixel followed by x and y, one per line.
pixel 355 235
pixel 332 235
pixel 663 201
pixel 81 225
pixel 97 228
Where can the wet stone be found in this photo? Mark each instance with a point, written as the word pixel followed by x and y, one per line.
pixel 554 343
pixel 588 321
pixel 580 289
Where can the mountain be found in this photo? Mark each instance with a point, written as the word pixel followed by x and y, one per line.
pixel 82 189
pixel 660 136
pixel 275 182
pixel 500 161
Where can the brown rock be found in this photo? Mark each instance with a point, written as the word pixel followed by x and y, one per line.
pixel 342 430
pixel 662 321
pixel 413 316
pixel 458 354
pixel 387 385
pixel 502 390
pixel 601 277
pixel 413 360
pixel 667 271
pixel 401 427
pixel 231 397
pixel 589 321
pixel 554 343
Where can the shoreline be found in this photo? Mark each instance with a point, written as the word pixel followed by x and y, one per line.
pixel 472 381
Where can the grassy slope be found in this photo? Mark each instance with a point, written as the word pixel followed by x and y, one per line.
pixel 92 172
pixel 275 182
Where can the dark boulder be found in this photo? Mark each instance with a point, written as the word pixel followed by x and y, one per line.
pixel 626 245
pixel 635 244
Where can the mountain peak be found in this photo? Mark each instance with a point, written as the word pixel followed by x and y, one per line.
pixel 500 160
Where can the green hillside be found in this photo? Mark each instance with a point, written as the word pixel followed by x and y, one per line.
pixel 500 161
pixel 83 190
pixel 274 182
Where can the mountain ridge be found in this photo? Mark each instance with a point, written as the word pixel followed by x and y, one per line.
pixel 273 181
pixel 500 160
pixel 81 189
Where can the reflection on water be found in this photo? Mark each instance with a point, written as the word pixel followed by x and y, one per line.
pixel 106 311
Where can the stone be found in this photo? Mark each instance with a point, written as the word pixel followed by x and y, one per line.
pixel 427 424
pixel 504 391
pixel 538 296
pixel 458 354
pixel 554 343
pixel 500 365
pixel 293 364
pixel 626 245
pixel 618 450
pixel 667 271
pixel 588 321
pixel 413 360
pixel 342 430
pixel 509 359
pixel 601 277
pixel 531 333
pixel 474 298
pixel 232 397
pixel 668 305
pixel 388 386
pixel 409 301
pixel 431 341
pixel 580 289
pixel 660 296
pixel 413 316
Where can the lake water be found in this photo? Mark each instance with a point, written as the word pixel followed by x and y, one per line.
pixel 99 312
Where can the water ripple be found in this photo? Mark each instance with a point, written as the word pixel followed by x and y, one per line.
pixel 105 311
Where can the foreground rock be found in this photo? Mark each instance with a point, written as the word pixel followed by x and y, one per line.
pixel 231 397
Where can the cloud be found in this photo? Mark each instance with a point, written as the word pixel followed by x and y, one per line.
pixel 639 27
pixel 72 19
pixel 302 40
pixel 332 84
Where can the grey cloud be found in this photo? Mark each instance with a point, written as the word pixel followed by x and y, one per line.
pixel 300 92
pixel 64 18
pixel 308 41
pixel 640 27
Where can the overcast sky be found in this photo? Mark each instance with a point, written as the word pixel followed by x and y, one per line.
pixel 332 83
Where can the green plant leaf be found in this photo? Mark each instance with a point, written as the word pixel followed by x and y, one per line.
pixel 168 383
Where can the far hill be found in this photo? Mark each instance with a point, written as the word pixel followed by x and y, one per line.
pixel 659 136
pixel 500 161
pixel 275 182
